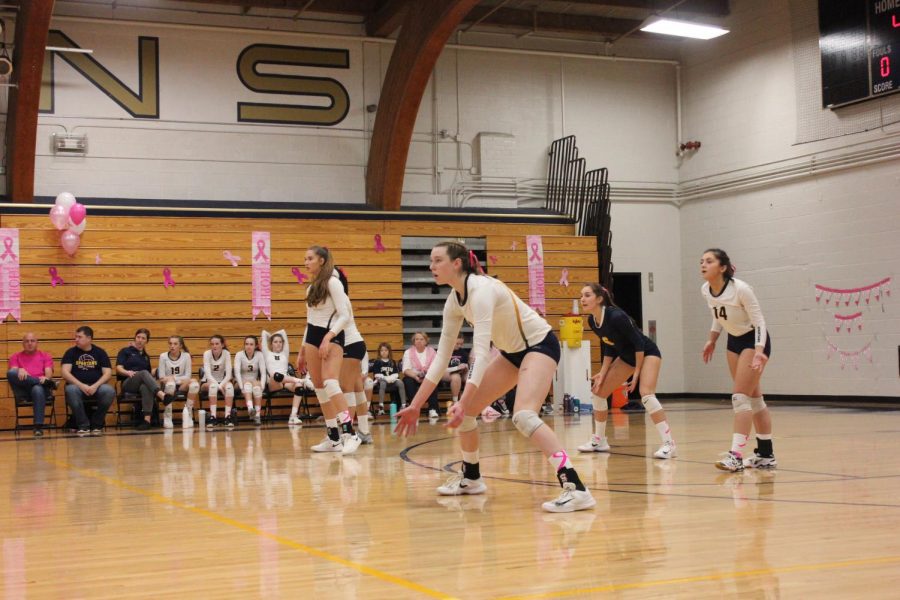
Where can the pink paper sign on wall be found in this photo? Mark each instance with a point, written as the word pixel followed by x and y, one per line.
pixel 10 277
pixel 261 251
pixel 536 289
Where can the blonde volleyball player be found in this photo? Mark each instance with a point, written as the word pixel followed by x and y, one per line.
pixel 528 359
pixel 736 310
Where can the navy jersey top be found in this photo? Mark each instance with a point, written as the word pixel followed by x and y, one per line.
pixel 620 337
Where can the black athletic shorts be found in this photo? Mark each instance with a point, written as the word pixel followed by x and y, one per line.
pixel 739 343
pixel 315 335
pixel 549 346
pixel 650 349
pixel 355 350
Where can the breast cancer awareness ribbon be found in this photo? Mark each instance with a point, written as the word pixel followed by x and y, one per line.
pixel 97 260
pixel 564 278
pixel 534 254
pixel 55 279
pixel 229 256
pixel 513 245
pixel 8 244
pixel 167 278
pixel 300 276
pixel 261 253
pixel 492 258
pixel 379 247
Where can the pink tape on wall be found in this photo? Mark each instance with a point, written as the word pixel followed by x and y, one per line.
pixel 261 293
pixel 536 288
pixel 10 276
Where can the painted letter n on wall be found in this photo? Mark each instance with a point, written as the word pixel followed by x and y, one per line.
pixel 143 104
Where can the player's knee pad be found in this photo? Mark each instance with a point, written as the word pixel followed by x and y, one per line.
pixel 278 377
pixel 247 388
pixel 350 397
pixel 757 404
pixel 361 399
pixel 468 424
pixel 321 396
pixel 170 388
pixel 332 387
pixel 741 403
pixel 369 384
pixel 651 404
pixel 257 392
pixel 527 422
pixel 213 389
pixel 229 389
pixel 194 387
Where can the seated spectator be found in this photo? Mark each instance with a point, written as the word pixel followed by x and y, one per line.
pixel 133 371
pixel 86 369
pixel 416 361
pixel 457 368
pixel 386 373
pixel 30 373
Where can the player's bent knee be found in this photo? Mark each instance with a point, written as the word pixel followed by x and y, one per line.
pixel 527 422
pixel 332 387
pixel 194 387
pixel 229 389
pixel 468 424
pixel 741 403
pixel 651 404
pixel 757 404
pixel 321 396
pixel 257 392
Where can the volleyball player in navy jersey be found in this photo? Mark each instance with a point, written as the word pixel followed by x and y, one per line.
pixel 529 354
pixel 735 309
pixel 627 352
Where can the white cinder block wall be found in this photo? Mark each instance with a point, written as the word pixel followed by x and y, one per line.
pixel 840 229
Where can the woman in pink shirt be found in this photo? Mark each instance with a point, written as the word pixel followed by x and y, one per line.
pixel 416 361
pixel 30 373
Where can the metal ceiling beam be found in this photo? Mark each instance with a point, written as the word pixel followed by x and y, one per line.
pixel 548 21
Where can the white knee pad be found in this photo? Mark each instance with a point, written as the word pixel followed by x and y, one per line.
pixel 321 396
pixel 527 422
pixel 194 387
pixel 257 392
pixel 741 403
pixel 468 424
pixel 361 399
pixel 229 389
pixel 170 388
pixel 332 387
pixel 757 404
pixel 247 388
pixel 350 397
pixel 213 390
pixel 370 384
pixel 651 404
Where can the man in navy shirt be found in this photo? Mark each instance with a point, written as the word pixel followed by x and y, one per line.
pixel 86 369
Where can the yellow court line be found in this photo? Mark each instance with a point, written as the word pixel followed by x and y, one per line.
pixel 250 529
pixel 711 577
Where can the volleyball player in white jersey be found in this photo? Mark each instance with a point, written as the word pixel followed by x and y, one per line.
pixel 217 378
pixel 174 374
pixel 627 352
pixel 276 351
pixel 327 314
pixel 352 372
pixel 528 359
pixel 736 310
pixel 250 376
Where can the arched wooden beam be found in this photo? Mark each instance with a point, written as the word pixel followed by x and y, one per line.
pixel 426 28
pixel 32 29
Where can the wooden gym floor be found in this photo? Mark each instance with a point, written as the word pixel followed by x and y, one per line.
pixel 255 514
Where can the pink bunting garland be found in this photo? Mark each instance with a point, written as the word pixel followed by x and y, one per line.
pixel 849 356
pixel 847 295
pixel 848 321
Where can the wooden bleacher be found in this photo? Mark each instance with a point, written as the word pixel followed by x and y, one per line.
pixel 124 291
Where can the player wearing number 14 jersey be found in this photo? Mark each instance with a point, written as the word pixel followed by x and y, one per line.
pixel 735 309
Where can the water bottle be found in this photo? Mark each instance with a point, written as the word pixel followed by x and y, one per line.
pixel 567 404
pixel 576 405
pixel 201 417
pixel 393 410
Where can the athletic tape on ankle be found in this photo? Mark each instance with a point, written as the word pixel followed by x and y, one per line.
pixel 757 404
pixel 468 424
pixel 740 403
pixel 321 396
pixel 651 404
pixel 332 387
pixel 527 422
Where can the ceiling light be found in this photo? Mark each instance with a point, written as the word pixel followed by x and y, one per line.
pixel 682 28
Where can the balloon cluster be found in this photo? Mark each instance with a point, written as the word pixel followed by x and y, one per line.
pixel 70 215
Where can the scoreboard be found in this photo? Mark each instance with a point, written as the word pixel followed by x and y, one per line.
pixel 859 44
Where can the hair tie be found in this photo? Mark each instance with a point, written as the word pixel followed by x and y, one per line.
pixel 474 263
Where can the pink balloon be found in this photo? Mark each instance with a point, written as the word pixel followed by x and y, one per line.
pixel 77 229
pixel 70 241
pixel 59 216
pixel 77 213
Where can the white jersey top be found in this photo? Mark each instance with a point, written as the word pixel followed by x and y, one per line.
pixel 351 333
pixel 181 367
pixel 497 315
pixel 276 362
pixel 334 312
pixel 218 370
pixel 736 310
pixel 249 369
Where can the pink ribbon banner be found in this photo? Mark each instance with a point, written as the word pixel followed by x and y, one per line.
pixel 261 249
pixel 536 288
pixel 10 277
